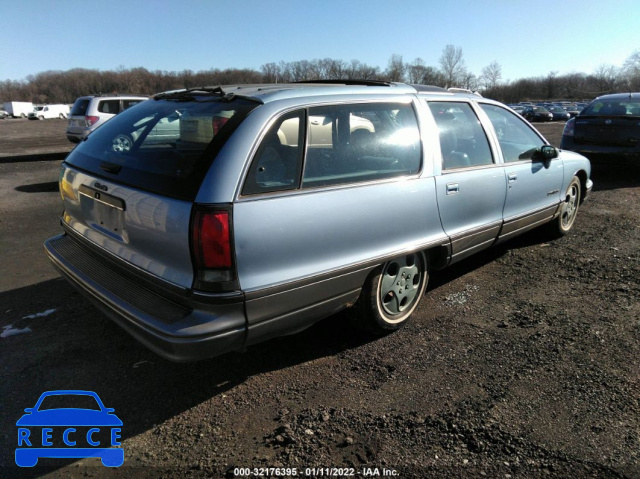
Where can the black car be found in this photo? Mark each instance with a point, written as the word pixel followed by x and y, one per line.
pixel 608 125
pixel 559 113
pixel 537 113
pixel 573 110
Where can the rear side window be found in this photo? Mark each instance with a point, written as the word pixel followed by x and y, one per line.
pixel 463 142
pixel 336 144
pixel 127 103
pixel 109 106
pixel 361 142
pixel 80 106
pixel 162 146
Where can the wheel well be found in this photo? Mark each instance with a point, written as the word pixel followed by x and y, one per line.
pixel 437 257
pixel 582 176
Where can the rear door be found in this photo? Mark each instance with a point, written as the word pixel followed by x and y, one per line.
pixel 471 189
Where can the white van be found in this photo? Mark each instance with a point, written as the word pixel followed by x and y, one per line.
pixel 46 112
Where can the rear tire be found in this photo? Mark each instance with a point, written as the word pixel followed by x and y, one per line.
pixel 391 294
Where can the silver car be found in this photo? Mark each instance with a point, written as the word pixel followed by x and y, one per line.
pixel 89 112
pixel 203 221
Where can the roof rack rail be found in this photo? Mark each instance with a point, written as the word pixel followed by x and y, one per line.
pixel 116 94
pixel 348 82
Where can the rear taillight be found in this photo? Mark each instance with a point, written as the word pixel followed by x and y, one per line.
pixel 91 120
pixel 212 249
pixel 569 128
pixel 217 123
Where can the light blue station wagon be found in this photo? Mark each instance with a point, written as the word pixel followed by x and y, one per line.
pixel 206 220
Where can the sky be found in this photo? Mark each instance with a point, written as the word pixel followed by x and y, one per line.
pixel 527 38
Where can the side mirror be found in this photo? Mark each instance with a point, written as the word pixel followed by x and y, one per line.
pixel 545 153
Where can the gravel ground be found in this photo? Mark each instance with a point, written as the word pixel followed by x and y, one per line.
pixel 519 362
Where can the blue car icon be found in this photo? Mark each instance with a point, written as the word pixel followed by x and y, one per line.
pixel 88 430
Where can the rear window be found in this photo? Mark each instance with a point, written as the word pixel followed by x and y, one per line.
pixel 162 146
pixel 613 108
pixel 80 106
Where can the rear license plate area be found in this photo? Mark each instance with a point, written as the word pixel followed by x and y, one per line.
pixel 103 212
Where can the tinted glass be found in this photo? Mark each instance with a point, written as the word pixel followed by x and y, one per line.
pixel 361 142
pixel 164 146
pixel 463 142
pixel 109 106
pixel 80 106
pixel 517 139
pixel 607 107
pixel 278 161
pixel 127 103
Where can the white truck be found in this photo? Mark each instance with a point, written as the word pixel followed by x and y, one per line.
pixel 18 108
pixel 46 112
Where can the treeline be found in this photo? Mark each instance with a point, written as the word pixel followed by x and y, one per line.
pixel 66 86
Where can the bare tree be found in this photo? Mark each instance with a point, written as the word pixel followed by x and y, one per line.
pixel 631 69
pixel 452 65
pixel 491 75
pixel 395 68
pixel 605 77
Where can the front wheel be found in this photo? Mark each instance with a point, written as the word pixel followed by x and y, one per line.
pixel 568 210
pixel 391 294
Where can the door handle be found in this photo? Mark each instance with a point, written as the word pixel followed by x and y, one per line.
pixel 512 177
pixel 453 188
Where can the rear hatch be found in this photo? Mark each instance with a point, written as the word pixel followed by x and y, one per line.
pixel 128 189
pixel 77 121
pixel 608 130
pixel 613 123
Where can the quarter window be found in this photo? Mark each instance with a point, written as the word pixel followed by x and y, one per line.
pixel 127 103
pixel 517 140
pixel 277 163
pixel 109 106
pixel 463 142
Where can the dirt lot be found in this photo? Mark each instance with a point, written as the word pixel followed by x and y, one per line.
pixel 520 362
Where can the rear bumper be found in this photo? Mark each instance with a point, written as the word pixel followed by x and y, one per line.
pixel 177 325
pixel 76 134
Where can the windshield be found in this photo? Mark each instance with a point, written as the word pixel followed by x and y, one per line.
pixel 164 146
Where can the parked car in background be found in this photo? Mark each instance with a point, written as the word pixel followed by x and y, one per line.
pixel 573 110
pixel 271 207
pixel 559 113
pixel 89 112
pixel 18 109
pixel 610 125
pixel 47 112
pixel 537 113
